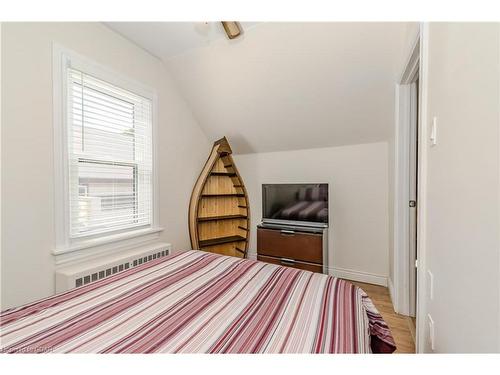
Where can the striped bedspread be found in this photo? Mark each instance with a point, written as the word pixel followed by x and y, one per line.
pixel 197 302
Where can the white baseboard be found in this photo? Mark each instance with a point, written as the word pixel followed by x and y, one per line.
pixel 363 277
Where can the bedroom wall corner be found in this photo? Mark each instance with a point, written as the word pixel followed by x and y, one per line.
pixel 28 233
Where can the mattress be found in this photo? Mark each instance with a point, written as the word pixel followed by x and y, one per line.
pixel 198 302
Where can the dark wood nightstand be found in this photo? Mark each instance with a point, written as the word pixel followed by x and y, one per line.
pixel 302 248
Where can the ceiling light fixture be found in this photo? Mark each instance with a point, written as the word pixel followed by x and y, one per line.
pixel 232 29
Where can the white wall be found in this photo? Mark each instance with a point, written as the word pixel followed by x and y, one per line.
pixel 1 26
pixel 357 176
pixel 462 245
pixel 27 146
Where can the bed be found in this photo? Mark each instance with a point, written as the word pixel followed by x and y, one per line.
pixel 198 302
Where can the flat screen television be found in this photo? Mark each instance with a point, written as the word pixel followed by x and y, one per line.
pixel 296 204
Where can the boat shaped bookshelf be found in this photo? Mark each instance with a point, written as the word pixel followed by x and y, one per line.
pixel 219 214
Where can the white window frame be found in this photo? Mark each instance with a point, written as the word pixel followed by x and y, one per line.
pixel 107 242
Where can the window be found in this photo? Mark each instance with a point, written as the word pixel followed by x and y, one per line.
pixel 110 156
pixel 105 181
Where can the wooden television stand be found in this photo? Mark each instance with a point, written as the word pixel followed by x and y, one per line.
pixel 299 247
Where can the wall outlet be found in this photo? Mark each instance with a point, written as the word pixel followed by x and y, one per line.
pixel 430 322
pixel 431 284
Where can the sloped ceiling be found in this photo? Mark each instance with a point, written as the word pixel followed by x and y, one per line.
pixel 168 39
pixel 285 86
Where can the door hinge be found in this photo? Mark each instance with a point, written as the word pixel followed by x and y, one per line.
pixel 416 263
pixel 413 203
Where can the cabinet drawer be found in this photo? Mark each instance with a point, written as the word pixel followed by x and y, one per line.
pixel 296 264
pixel 307 247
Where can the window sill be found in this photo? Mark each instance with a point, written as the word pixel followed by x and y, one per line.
pixel 106 244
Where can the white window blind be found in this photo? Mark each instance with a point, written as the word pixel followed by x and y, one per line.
pixel 110 157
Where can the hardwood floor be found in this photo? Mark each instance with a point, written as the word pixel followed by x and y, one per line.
pixel 400 325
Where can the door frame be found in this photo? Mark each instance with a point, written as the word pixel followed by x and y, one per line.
pixel 420 49
pixel 413 196
pixel 401 288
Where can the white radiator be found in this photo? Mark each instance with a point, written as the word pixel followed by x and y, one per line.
pixel 85 272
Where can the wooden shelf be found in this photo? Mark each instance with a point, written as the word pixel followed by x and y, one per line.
pixel 219 209
pixel 224 217
pixel 229 174
pixel 221 240
pixel 223 195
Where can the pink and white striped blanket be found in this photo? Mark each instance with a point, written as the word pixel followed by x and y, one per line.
pixel 197 302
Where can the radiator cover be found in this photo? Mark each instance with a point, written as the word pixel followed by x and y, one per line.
pixel 82 273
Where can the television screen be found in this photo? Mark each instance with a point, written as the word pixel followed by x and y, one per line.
pixel 295 202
